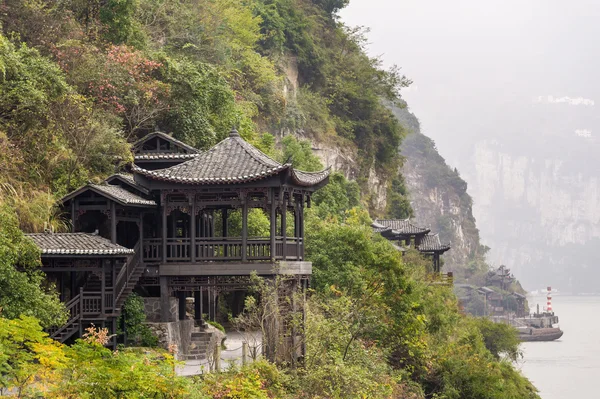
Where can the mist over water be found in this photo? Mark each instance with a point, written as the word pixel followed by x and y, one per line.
pixel 509 92
pixel 569 367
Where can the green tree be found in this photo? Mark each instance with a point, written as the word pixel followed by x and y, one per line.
pixel 24 288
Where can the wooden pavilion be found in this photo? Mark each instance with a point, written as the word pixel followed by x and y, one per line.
pixel 407 235
pixel 180 227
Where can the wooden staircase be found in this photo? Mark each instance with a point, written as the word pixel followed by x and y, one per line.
pixel 88 304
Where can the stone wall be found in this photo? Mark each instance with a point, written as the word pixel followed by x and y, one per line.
pixel 152 309
pixel 177 333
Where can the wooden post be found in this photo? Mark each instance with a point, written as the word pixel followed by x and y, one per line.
pixel 193 228
pixel 224 228
pixel 244 353
pixel 244 229
pixel 73 215
pixel 197 306
pixel 302 228
pixel 103 288
pixel 218 357
pixel 284 227
pixel 164 232
pixel 182 305
pixel 297 229
pixel 165 305
pixel 210 302
pixel 80 312
pixel 201 303
pixel 113 222
pixel 273 226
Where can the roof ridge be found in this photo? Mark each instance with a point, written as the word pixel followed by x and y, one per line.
pixel 250 149
pixel 167 137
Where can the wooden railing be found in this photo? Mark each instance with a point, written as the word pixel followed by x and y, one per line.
pixel 74 311
pixel 152 249
pixel 222 249
pixel 125 273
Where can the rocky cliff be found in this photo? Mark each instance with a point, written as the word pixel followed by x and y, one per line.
pixel 541 210
pixel 439 198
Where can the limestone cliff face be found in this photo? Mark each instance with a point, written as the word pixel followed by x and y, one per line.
pixel 343 159
pixel 540 212
pixel 439 196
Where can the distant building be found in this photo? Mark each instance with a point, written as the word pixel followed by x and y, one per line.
pixel 407 235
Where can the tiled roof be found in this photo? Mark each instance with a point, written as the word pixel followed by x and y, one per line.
pixel 161 156
pixel 128 179
pixel 377 228
pixel 122 195
pixel 402 226
pixel 76 244
pixel 309 178
pixel 167 137
pixel 431 243
pixel 114 192
pixel 233 160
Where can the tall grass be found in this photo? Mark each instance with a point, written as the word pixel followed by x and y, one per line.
pixel 35 209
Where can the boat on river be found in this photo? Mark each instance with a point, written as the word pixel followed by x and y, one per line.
pixel 529 334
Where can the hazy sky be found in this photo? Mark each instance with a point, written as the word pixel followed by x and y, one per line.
pixel 487 68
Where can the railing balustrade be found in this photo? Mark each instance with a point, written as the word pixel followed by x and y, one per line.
pixel 91 303
pixel 152 249
pixel 222 249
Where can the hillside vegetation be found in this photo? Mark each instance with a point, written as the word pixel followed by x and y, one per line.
pixel 81 80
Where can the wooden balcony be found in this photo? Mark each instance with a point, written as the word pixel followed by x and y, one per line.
pixel 222 249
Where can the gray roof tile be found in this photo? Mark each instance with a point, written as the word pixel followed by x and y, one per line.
pixel 122 195
pixel 431 243
pixel 402 226
pixel 75 244
pixel 233 160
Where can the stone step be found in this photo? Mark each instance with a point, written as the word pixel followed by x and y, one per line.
pixel 194 352
pixel 194 357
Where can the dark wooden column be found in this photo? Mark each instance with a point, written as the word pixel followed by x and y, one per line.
pixel 164 232
pixel 73 215
pixel 193 229
pixel 103 288
pixel 113 222
pixel 284 227
pixel 182 310
pixel 301 228
pixel 297 228
pixel 224 214
pixel 197 305
pixel 273 226
pixel 244 230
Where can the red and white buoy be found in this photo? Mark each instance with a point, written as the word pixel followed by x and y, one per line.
pixel 549 299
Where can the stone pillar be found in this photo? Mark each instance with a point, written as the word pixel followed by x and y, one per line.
pixel 165 306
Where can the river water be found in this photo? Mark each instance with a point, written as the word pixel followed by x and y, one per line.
pixel 568 367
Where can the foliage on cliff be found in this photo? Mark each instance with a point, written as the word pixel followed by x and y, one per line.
pixel 441 201
pixel 79 80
